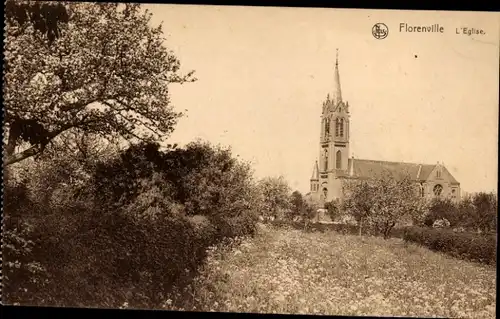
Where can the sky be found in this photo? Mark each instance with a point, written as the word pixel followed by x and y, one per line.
pixel 263 73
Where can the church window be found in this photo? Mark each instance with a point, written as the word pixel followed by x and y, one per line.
pixel 438 173
pixel 327 127
pixel 341 127
pixel 422 191
pixel 326 160
pixel 438 189
pixel 325 192
pixel 338 159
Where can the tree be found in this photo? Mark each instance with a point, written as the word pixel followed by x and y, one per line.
pixel 302 207
pixel 384 200
pixel 297 204
pixel 44 17
pixel 442 208
pixel 275 196
pixel 105 71
pixel 310 210
pixel 485 211
pixel 358 200
pixel 395 199
pixel 333 209
pixel 211 181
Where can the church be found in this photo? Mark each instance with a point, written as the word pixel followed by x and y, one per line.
pixel 335 164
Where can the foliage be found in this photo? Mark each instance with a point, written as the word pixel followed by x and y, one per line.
pixel 485 213
pixel 45 17
pixel 107 72
pixel 127 231
pixel 383 201
pixel 275 196
pixel 462 245
pixel 441 223
pixel 345 229
pixel 395 198
pixel 216 183
pixel 358 200
pixel 333 209
pixel 439 209
pixel 475 213
pixel 300 207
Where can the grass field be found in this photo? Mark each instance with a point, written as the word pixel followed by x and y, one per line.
pixel 289 271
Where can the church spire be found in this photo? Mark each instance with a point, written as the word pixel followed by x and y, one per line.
pixel 337 94
pixel 315 175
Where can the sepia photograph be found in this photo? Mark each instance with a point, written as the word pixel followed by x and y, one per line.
pixel 232 159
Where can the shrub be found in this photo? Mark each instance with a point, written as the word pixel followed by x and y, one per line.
pixel 442 209
pixel 462 245
pixel 333 209
pixel 136 231
pixel 473 213
pixel 302 209
pixel 441 223
pixel 346 229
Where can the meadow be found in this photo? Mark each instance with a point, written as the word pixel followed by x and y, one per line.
pixel 291 271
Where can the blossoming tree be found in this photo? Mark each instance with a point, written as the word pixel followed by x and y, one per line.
pixel 275 194
pixel 383 201
pixel 104 70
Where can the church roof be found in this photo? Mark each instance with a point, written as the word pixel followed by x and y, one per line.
pixel 361 168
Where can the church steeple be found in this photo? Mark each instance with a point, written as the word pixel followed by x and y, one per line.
pixel 315 174
pixel 333 143
pixel 337 93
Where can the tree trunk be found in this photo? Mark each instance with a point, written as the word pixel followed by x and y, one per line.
pixel 360 225
pixel 388 228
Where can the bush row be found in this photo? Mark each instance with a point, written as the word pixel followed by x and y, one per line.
pixel 135 232
pixel 464 245
pixel 468 246
pixel 346 229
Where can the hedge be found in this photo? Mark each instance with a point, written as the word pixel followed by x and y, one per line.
pixel 346 229
pixel 467 246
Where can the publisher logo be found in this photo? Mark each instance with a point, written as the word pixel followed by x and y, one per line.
pixel 380 31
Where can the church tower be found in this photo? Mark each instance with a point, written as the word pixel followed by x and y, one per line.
pixel 333 144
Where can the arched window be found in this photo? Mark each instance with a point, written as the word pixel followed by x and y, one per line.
pixel 438 189
pixel 337 125
pixel 338 160
pixel 327 127
pixel 326 160
pixel 341 127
